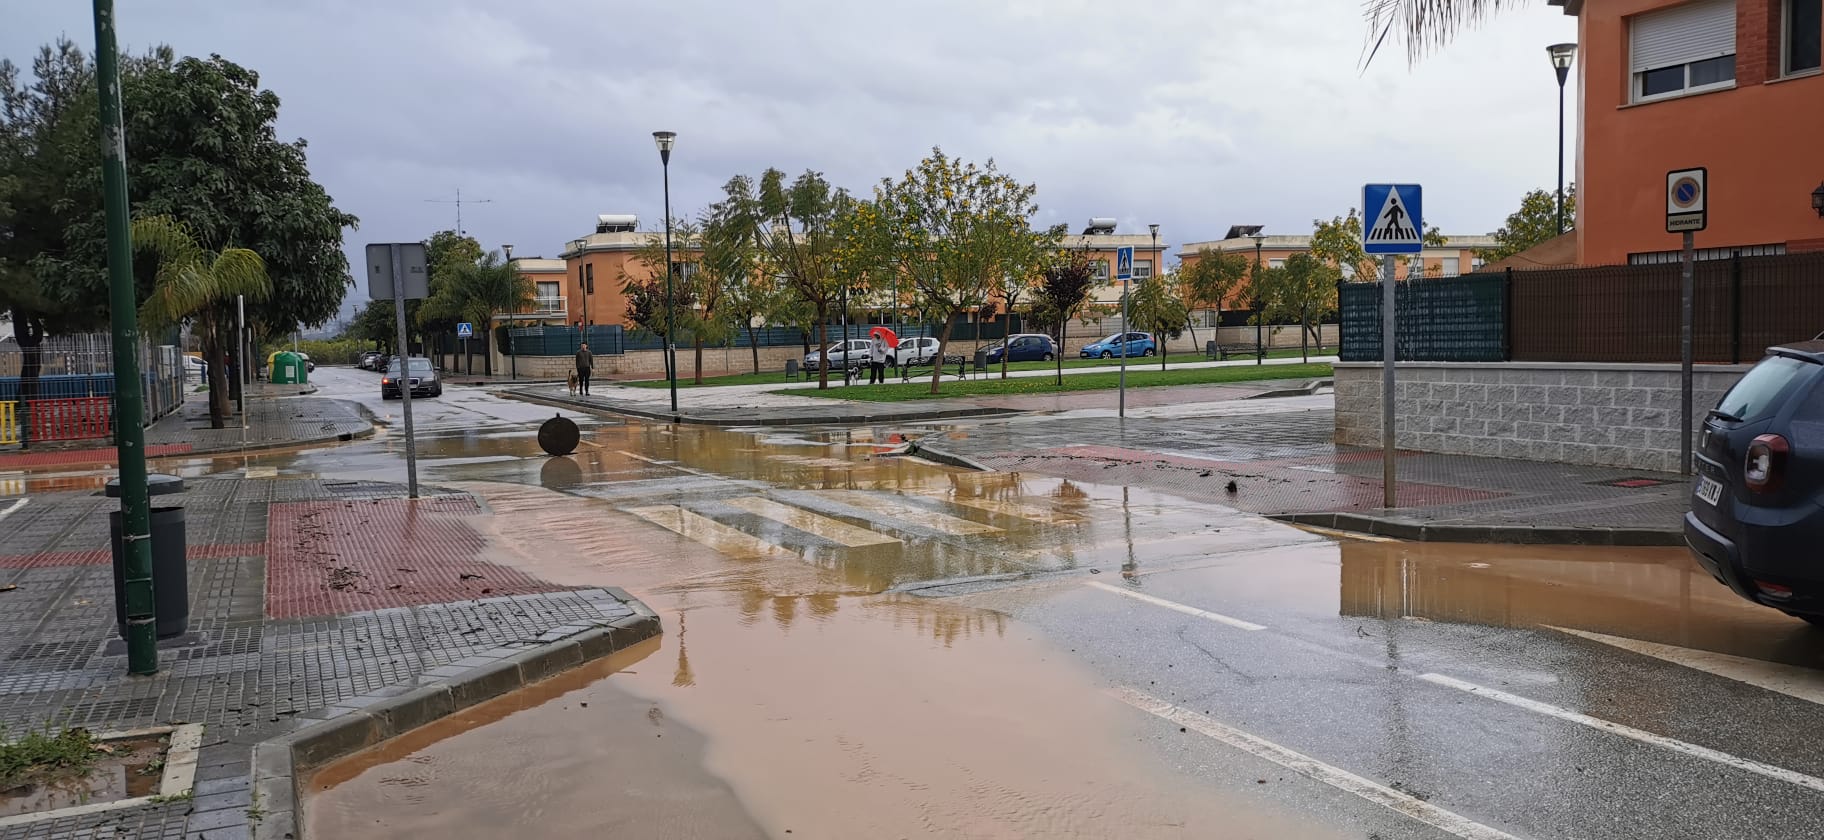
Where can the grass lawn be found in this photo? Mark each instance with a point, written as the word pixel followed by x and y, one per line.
pixel 1137 377
pixel 777 376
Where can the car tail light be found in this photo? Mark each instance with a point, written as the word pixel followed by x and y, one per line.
pixel 1766 464
pixel 1773 590
pixel 386 380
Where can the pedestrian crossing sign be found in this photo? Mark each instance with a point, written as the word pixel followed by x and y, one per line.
pixel 465 330
pixel 1392 219
pixel 1124 262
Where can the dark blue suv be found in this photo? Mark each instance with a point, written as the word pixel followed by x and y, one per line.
pixel 1757 501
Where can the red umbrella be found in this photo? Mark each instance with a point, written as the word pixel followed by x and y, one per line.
pixel 884 334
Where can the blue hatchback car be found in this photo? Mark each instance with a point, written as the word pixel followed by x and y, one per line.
pixel 1133 343
pixel 1756 521
pixel 1030 347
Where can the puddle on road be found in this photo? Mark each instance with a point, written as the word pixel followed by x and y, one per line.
pixel 1651 594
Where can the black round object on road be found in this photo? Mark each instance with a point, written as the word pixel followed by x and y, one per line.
pixel 558 436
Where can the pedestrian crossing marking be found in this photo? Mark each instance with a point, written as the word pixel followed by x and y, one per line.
pixel 810 523
pixel 730 541
pixel 915 514
pixel 1013 509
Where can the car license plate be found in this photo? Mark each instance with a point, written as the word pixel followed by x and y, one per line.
pixel 1709 489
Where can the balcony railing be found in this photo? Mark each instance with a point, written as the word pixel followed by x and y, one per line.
pixel 548 305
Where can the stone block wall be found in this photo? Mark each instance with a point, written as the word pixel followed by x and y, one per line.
pixel 1616 415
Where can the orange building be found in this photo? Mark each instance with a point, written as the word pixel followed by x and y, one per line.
pixel 596 266
pixel 1099 242
pixel 549 299
pixel 1730 85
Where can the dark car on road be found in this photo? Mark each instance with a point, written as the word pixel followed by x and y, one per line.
pixel 423 379
pixel 1757 501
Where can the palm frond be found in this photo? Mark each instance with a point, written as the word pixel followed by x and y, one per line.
pixel 238 271
pixel 1425 25
pixel 166 237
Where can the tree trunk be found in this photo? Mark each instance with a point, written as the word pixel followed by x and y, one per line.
pixel 215 354
pixel 487 347
pixel 1159 339
pixel 31 362
pixel 753 343
pixel 1062 321
pixel 1006 339
pixel 943 343
pixel 698 342
pixel 823 341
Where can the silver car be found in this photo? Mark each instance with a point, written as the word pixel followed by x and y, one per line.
pixel 841 354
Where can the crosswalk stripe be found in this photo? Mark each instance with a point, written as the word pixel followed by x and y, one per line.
pixel 730 541
pixel 914 514
pixel 810 523
pixel 1013 509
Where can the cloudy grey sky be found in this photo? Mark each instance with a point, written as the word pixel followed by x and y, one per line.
pixel 1196 114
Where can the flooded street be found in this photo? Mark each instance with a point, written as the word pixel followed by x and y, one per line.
pixel 859 645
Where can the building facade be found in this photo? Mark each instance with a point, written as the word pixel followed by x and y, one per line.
pixel 1457 256
pixel 597 266
pixel 550 299
pixel 1730 85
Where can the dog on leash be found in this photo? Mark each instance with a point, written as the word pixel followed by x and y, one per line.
pixel 573 383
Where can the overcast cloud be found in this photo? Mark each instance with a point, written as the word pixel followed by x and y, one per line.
pixel 1195 115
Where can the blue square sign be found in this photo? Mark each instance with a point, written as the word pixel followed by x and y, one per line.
pixel 465 330
pixel 1393 219
pixel 1124 262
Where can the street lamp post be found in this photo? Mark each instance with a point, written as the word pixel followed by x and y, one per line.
pixel 1153 274
pixel 1260 350
pixel 512 355
pixel 665 139
pixel 1562 55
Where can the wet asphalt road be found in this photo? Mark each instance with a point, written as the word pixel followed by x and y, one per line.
pixel 866 646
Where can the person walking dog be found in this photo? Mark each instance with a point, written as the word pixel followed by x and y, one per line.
pixel 585 361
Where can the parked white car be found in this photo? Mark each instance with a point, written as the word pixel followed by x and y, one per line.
pixel 841 354
pixel 915 351
pixel 196 369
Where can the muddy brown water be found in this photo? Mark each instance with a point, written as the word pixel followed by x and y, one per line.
pixel 125 768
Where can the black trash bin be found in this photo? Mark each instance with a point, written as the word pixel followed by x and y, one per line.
pixel 170 570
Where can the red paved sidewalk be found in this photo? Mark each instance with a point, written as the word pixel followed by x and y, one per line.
pixel 99 455
pixel 337 557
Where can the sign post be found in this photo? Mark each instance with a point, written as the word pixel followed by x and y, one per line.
pixel 1393 223
pixel 397 271
pixel 1685 214
pixel 1124 270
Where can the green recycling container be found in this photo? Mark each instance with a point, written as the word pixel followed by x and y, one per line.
pixel 288 369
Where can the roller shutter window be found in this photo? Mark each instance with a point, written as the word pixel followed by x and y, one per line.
pixel 1683 49
pixel 1804 27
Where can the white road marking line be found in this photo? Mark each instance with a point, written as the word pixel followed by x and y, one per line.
pixel 17 504
pixel 1790 680
pixel 1219 618
pixel 1447 821
pixel 1641 735
pixel 914 514
pixel 730 541
pixel 1013 509
pixel 811 523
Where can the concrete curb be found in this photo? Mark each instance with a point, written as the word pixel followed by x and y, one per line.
pixel 758 417
pixel 930 453
pixel 261 446
pixel 1404 529
pixel 1304 390
pixel 282 765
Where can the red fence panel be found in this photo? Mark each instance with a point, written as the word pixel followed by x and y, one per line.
pixel 74 419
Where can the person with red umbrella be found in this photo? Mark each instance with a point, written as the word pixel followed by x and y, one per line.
pixel 880 340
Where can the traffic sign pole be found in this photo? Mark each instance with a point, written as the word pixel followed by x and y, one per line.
pixel 1124 268
pixel 405 373
pixel 1387 357
pixel 1687 302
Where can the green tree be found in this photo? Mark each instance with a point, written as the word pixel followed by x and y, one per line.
pixel 1157 307
pixel 702 318
pixel 1424 25
pixel 956 231
pixel 193 284
pixel 1339 243
pixel 1208 280
pixel 1302 291
pixel 1066 283
pixel 750 297
pixel 797 230
pixel 478 292
pixel 375 323
pixel 1536 221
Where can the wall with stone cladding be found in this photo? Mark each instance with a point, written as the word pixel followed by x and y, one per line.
pixel 1602 414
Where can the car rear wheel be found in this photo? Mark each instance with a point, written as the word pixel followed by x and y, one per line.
pixel 1147 352
pixel 1107 355
pixel 1049 357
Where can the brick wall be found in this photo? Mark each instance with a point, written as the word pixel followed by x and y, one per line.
pixel 1604 414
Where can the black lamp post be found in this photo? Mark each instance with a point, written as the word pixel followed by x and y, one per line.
pixel 1817 199
pixel 512 357
pixel 665 139
pixel 1561 54
pixel 1260 350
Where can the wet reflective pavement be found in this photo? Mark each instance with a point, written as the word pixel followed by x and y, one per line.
pixel 860 646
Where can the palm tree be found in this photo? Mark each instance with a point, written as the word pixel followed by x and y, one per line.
pixel 1425 25
pixel 197 285
pixel 479 293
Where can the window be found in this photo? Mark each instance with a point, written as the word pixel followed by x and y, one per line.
pixel 1450 266
pixel 1100 267
pixel 1688 48
pixel 1143 269
pixel 1803 25
pixel 1276 263
pixel 1757 395
pixel 684 270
